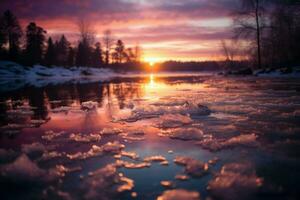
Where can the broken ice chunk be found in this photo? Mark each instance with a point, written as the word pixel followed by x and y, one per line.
pixel 89 105
pixel 235 181
pixel 184 134
pixel 127 184
pixel 182 177
pixel 129 165
pixel 113 147
pixel 173 121
pixel 35 148
pixel 131 155
pixel 213 144
pixel 23 170
pixel 158 158
pixel 167 184
pixel 193 167
pixel 50 135
pixel 61 170
pixel 85 138
pixel 100 184
pixel 94 151
pixel 110 131
pixel 179 194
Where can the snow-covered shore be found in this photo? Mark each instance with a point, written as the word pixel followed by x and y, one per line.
pixel 14 76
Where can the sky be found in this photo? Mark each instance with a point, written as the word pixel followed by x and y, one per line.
pixel 165 29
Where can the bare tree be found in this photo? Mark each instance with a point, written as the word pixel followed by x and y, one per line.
pixel 138 53
pixel 108 42
pixel 249 22
pixel 231 49
pixel 86 31
pixel 84 50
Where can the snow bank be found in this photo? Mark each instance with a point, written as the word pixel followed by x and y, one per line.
pixel 14 76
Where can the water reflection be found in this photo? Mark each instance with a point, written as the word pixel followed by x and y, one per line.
pixel 189 115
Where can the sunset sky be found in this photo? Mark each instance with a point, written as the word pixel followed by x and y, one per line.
pixel 166 29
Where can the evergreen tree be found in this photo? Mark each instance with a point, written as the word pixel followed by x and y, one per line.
pixel 3 40
pixel 71 57
pixel 108 43
pixel 97 58
pixel 79 55
pixel 83 57
pixel 119 53
pixel 62 51
pixel 10 34
pixel 35 39
pixel 130 57
pixel 50 53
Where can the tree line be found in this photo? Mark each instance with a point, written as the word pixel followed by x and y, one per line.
pixel 34 47
pixel 266 32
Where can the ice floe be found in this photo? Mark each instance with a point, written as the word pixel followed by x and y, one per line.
pixel 113 147
pixel 193 167
pixel 85 137
pixel 134 135
pixel 184 134
pixel 23 170
pixel 94 151
pixel 167 184
pixel 235 181
pixel 110 147
pixel 100 183
pixel 110 131
pixel 50 135
pixel 158 158
pixel 47 155
pixel 61 170
pixel 173 121
pixel 89 105
pixel 182 177
pixel 130 165
pixel 213 144
pixel 132 155
pixel 179 194
pixel 150 111
pixel 35 148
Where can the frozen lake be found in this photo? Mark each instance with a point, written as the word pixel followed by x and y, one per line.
pixel 146 137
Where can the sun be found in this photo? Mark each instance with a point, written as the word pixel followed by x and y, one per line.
pixel 151 60
pixel 151 63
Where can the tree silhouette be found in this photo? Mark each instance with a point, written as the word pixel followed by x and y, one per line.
pixel 97 58
pixel 108 43
pixel 3 39
pixel 248 23
pixel 10 34
pixel 50 53
pixel 83 56
pixel 62 51
pixel 282 44
pixel 137 53
pixel 119 53
pixel 130 57
pixel 35 39
pixel 84 53
pixel 71 57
